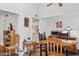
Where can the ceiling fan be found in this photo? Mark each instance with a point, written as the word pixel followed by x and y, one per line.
pixel 60 4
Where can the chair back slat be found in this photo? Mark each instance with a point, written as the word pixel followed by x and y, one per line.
pixel 57 48
pixel 61 49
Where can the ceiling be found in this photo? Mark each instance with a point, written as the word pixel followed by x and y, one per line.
pixel 6 13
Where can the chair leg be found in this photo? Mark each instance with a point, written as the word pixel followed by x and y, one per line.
pixel 6 52
pixel 9 52
pixel 46 52
pixel 40 50
pixel 66 51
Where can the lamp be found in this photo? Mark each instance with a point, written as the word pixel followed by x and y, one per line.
pixel 68 29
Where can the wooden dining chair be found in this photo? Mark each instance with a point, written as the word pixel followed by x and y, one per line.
pixel 54 48
pixel 43 47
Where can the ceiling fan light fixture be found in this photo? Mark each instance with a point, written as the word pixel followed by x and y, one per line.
pixel 49 4
pixel 60 4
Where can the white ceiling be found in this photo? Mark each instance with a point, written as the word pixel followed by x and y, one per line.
pixel 68 9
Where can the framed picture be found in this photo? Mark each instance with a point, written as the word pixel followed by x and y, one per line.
pixel 26 22
pixel 59 24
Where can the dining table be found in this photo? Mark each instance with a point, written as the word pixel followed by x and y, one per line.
pixel 69 44
pixel 31 45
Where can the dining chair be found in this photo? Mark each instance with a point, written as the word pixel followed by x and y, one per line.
pixel 43 47
pixel 54 48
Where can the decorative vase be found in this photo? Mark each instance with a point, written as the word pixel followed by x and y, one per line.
pixel 11 26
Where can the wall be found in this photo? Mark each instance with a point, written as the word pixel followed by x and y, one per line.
pixel 69 14
pixel 49 24
pixel 9 19
pixel 24 10
pixel 29 10
pixel 4 22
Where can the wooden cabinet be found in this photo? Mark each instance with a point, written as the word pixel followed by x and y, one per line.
pixel 10 40
pixel 9 37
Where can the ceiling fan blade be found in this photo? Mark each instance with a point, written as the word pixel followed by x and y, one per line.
pixel 60 4
pixel 49 4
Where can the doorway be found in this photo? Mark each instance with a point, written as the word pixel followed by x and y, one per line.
pixel 35 29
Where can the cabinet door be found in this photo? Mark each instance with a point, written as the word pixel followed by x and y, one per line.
pixel 12 37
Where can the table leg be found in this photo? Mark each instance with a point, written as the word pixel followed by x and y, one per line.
pixel 9 52
pixel 46 51
pixel 28 50
pixel 34 47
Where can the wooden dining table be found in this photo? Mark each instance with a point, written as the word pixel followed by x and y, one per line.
pixel 64 42
pixel 69 44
